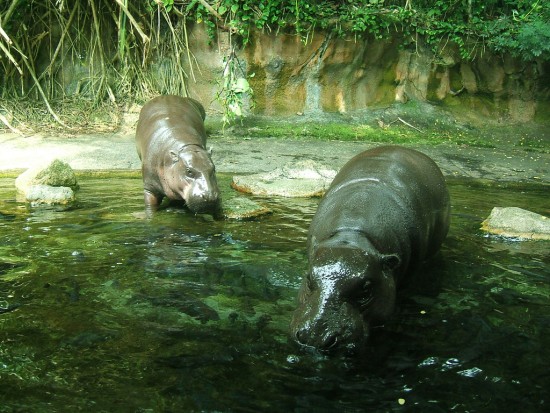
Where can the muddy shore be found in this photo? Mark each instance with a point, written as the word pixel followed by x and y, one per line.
pixel 237 155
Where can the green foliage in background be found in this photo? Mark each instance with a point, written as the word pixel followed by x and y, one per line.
pixel 519 27
pixel 110 45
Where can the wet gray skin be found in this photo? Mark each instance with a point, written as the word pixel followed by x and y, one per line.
pixel 171 139
pixel 348 288
pixel 386 211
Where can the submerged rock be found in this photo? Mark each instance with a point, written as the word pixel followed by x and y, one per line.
pixel 243 208
pixel 50 183
pixel 303 179
pixel 519 223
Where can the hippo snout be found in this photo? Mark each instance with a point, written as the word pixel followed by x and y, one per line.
pixel 325 342
pixel 203 196
pixel 341 328
pixel 204 203
pixel 212 196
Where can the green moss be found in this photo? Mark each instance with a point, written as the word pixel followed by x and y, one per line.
pixel 328 131
pixel 109 173
pixel 413 123
pixel 11 173
pixel 534 144
pixel 353 132
pixel 58 173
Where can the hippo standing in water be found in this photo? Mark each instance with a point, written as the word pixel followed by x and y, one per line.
pixel 385 212
pixel 171 143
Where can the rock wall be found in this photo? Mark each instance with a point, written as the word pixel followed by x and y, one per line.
pixel 345 75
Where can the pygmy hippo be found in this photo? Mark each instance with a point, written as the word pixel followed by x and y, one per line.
pixel 171 143
pixel 385 212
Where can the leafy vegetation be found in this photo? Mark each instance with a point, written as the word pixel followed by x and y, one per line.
pixel 234 88
pixel 122 51
pixel 519 27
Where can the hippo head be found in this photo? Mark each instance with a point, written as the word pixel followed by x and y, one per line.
pixel 346 289
pixel 192 178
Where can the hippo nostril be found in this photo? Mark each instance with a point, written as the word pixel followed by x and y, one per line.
pixel 326 342
pixel 330 341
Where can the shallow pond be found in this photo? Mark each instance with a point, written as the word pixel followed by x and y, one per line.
pixel 103 311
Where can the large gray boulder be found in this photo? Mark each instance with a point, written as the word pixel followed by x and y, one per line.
pixel 302 179
pixel 50 183
pixel 518 223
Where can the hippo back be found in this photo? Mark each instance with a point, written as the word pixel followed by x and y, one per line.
pixel 171 140
pixel 394 195
pixel 164 119
pixel 385 212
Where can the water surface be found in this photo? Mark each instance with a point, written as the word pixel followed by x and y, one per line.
pixel 104 311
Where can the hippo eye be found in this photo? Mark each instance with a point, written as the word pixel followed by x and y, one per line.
pixel 366 295
pixel 189 173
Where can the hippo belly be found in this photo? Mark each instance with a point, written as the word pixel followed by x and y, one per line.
pixel 386 211
pixel 171 143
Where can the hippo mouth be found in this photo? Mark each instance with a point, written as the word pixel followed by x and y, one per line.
pixel 343 330
pixel 203 206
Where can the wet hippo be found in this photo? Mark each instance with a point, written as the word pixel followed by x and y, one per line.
pixel 385 212
pixel 171 143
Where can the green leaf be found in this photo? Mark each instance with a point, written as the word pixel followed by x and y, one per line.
pixel 241 85
pixel 236 109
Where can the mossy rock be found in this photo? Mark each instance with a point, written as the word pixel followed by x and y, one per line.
pixel 55 173
pixel 241 208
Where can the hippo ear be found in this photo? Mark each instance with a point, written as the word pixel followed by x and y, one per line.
pixel 174 156
pixel 390 261
pixel 209 151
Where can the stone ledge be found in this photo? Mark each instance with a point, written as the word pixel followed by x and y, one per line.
pixel 517 223
pixel 303 179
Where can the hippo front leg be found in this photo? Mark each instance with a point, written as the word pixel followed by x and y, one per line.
pixel 152 201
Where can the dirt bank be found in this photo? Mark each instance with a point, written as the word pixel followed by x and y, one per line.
pixel 235 154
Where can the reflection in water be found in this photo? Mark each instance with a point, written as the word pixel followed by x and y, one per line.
pixel 103 311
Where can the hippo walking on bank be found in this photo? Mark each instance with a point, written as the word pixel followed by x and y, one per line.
pixel 171 143
pixel 385 212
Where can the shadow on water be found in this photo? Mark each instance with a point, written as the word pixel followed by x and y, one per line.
pixel 101 310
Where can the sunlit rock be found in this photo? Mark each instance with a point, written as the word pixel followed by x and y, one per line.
pixel 304 179
pixel 517 223
pixel 54 173
pixel 51 183
pixel 241 208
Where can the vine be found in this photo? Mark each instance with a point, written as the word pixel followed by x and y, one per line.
pixel 234 89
